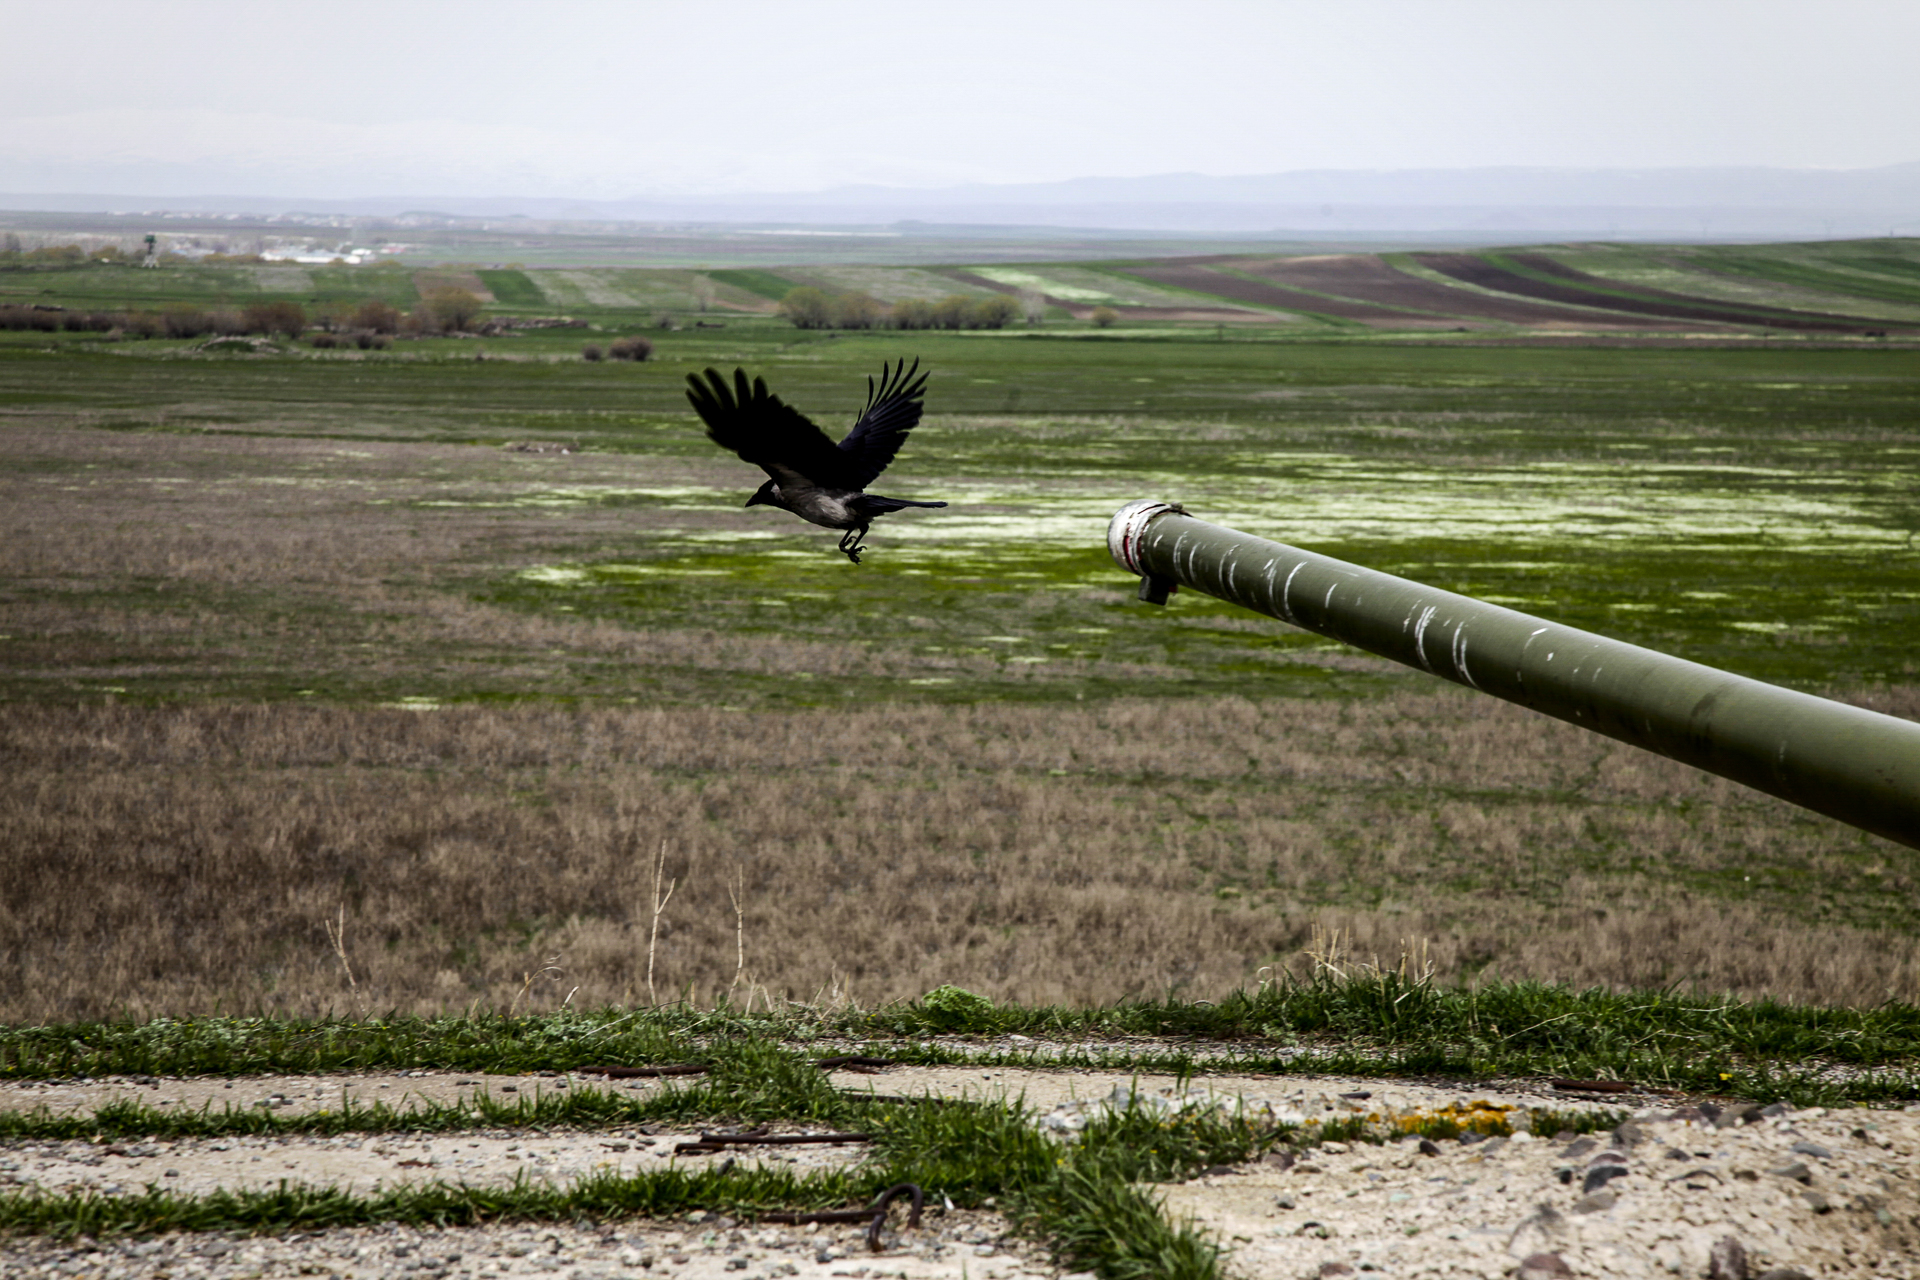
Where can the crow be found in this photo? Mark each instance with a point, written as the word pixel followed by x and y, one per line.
pixel 808 474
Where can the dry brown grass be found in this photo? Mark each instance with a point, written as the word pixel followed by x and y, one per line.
pixel 182 860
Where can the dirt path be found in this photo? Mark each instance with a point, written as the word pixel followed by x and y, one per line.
pixel 1829 1193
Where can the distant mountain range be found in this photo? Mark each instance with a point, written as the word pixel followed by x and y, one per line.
pixel 1698 203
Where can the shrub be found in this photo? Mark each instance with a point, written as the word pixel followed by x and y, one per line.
pixel 994 312
pixel 274 317
pixel 376 316
pixel 184 320
pixel 633 348
pixel 142 324
pixel 323 341
pixel 854 311
pixel 452 310
pixel 913 313
pixel 807 307
pixel 592 351
pixel 44 319
pixel 1103 317
pixel 952 312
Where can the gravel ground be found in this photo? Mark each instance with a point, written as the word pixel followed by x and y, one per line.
pixel 970 1245
pixel 1822 1193
pixel 1828 1193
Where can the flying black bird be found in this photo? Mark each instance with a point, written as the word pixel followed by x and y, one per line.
pixel 811 476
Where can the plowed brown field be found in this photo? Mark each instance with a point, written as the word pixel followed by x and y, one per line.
pixel 1365 278
pixel 1476 270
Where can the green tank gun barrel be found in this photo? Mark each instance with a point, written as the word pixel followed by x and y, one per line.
pixel 1849 763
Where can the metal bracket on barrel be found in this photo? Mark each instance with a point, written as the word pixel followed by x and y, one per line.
pixel 1124 533
pixel 1156 590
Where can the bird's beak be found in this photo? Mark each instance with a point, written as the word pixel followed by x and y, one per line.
pixel 755 501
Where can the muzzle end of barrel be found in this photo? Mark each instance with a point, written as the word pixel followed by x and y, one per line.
pixel 1124 533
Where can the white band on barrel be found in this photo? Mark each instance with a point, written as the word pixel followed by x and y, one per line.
pixel 1128 526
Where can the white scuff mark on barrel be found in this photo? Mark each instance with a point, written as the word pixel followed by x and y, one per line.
pixel 1420 626
pixel 1286 589
pixel 1460 654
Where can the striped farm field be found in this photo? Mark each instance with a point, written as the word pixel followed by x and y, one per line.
pixel 1593 287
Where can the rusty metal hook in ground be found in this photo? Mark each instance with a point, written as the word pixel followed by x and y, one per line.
pixel 879 1210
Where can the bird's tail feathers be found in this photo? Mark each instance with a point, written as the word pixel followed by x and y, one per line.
pixel 874 502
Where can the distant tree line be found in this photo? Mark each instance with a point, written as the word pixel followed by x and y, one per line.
pixel 811 308
pixel 371 323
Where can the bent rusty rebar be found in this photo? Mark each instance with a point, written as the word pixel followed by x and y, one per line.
pixel 874 1215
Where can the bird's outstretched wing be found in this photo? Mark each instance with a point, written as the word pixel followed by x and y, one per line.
pixel 767 432
pixel 893 409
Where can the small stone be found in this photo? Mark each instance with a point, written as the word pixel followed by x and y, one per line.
pixel 1774 1110
pixel 1318 1230
pixel 1742 1113
pixel 1428 1147
pixel 1335 1269
pixel 1600 1175
pixel 1797 1171
pixel 1284 1202
pixel 1811 1149
pixel 1727 1260
pixel 1468 1138
pixel 1785 1273
pixel 1629 1135
pixel 1543 1266
pixel 1816 1202
pixel 1675 1153
pixel 1579 1149
pixel 1281 1160
pixel 1598 1202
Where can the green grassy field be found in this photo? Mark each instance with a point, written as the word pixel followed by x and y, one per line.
pixel 1753 509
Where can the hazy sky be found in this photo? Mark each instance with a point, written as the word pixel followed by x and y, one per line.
pixel 637 98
